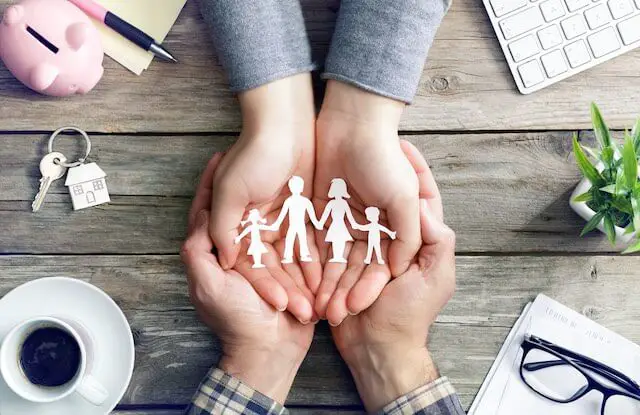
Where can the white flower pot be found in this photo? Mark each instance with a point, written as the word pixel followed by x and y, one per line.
pixel 587 213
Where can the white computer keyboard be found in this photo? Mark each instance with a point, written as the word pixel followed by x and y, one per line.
pixel 546 41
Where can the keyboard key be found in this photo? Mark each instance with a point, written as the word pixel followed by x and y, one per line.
pixel 574 26
pixel 520 23
pixel 598 16
pixel 502 7
pixel 524 48
pixel 550 37
pixel 574 5
pixel 603 42
pixel 552 9
pixel 577 53
pixel 531 73
pixel 554 63
pixel 620 8
pixel 630 30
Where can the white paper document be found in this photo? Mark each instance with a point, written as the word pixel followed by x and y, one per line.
pixel 505 393
pixel 154 17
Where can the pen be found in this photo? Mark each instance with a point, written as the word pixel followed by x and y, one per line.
pixel 124 28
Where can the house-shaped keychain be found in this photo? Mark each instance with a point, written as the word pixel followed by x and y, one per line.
pixel 87 186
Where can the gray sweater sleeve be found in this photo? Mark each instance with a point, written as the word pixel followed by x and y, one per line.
pixel 381 45
pixel 258 41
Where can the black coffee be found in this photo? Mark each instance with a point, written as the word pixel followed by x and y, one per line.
pixel 50 357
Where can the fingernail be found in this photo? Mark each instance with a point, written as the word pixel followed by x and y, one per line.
pixel 281 308
pixel 201 218
pixel 224 263
pixel 315 320
pixel 305 322
pixel 351 313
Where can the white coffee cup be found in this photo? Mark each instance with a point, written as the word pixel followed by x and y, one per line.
pixel 82 382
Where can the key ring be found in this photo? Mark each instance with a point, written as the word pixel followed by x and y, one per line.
pixel 86 139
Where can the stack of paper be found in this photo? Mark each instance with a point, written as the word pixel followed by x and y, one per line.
pixel 154 17
pixel 503 391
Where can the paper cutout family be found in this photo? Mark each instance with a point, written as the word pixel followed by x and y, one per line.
pixel 297 207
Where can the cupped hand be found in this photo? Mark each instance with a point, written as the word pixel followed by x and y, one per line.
pixel 276 142
pixel 261 346
pixel 385 345
pixel 357 136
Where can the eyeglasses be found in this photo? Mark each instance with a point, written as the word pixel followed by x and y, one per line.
pixel 563 376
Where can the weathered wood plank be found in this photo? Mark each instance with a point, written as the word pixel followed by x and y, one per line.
pixel 502 193
pixel 466 85
pixel 173 350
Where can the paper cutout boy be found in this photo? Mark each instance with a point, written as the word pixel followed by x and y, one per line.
pixel 374 228
pixel 297 207
pixel 256 247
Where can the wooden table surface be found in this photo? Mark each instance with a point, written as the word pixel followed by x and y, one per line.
pixel 503 161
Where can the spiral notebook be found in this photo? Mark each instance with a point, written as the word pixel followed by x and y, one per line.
pixel 504 393
pixel 154 17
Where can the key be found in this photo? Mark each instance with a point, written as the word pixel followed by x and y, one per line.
pixel 573 26
pixel 574 5
pixel 50 172
pixel 553 63
pixel 597 16
pixel 620 8
pixel 630 30
pixel 523 48
pixel 604 42
pixel 502 7
pixel 550 37
pixel 530 73
pixel 577 53
pixel 520 23
pixel 552 9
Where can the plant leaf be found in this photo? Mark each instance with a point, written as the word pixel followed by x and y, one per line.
pixel 587 169
pixel 622 204
pixel 629 229
pixel 593 223
pixel 607 157
pixel 635 206
pixel 633 248
pixel 593 153
pixel 630 162
pixel 610 189
pixel 635 134
pixel 610 228
pixel 585 197
pixel 599 127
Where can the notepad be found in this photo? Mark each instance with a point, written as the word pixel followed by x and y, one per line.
pixel 154 17
pixel 503 391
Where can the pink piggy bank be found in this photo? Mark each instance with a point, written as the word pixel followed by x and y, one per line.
pixel 51 46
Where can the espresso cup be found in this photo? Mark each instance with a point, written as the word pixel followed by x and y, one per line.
pixel 26 347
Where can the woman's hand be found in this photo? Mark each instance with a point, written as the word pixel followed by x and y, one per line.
pixel 357 134
pixel 277 142
pixel 261 346
pixel 385 345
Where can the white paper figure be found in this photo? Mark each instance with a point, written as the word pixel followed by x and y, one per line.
pixel 338 207
pixel 374 228
pixel 297 207
pixel 256 247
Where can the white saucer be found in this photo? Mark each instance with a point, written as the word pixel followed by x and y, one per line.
pixel 89 306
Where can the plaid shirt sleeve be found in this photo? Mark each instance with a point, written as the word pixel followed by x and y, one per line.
pixel 220 393
pixel 435 398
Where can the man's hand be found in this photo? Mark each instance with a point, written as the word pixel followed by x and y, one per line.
pixel 385 345
pixel 261 346
pixel 277 142
pixel 357 134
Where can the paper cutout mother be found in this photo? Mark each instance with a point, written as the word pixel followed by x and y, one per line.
pixel 338 208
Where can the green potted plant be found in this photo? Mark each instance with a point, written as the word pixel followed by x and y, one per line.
pixel 608 197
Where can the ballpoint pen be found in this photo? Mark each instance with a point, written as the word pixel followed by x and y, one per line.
pixel 124 28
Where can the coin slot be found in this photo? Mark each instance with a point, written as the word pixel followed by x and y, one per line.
pixel 42 40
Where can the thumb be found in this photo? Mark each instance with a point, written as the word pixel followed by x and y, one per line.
pixel 227 209
pixel 404 218
pixel 434 231
pixel 196 254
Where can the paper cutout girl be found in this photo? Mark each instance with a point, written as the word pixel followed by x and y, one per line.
pixel 374 228
pixel 338 207
pixel 256 247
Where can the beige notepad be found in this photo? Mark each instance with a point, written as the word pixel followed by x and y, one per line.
pixel 154 17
